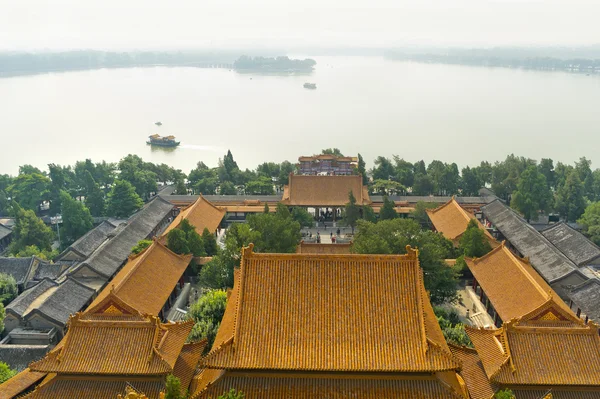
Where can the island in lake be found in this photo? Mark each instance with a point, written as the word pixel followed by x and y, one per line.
pixel 274 64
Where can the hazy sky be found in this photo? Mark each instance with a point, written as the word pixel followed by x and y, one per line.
pixel 124 24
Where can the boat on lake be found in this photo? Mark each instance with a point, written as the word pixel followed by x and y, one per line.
pixel 159 123
pixel 167 141
pixel 310 86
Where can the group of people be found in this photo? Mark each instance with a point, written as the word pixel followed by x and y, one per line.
pixel 331 236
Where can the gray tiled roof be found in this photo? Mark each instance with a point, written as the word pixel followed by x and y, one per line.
pixel 68 298
pixel 17 267
pixel 545 257
pixel 587 297
pixel 19 356
pixel 89 242
pixel 431 198
pixel 20 304
pixel 107 259
pixel 572 243
pixel 4 231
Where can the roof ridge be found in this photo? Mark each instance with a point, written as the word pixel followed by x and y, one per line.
pixel 247 252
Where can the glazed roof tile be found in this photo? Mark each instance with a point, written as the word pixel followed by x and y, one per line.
pixel 511 284
pixel 61 387
pixel 187 362
pixel 314 248
pixel 473 373
pixel 19 383
pixel 311 386
pixel 201 214
pixel 111 338
pixel 324 190
pixel 525 355
pixel 451 220
pixel 156 270
pixel 312 312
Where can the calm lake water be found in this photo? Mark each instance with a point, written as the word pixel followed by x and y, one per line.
pixel 367 105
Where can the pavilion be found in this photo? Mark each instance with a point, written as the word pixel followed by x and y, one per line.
pixel 315 325
pixel 201 214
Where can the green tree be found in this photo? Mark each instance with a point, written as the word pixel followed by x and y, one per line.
pixel 123 200
pixel 590 221
pixel 423 185
pixel 173 389
pixel 332 151
pixel 383 170
pixel 504 394
pixel 30 230
pixel 368 214
pixel 404 171
pixel 392 237
pixel 473 243
pixel 484 172
pixel 278 233
pixel 203 179
pixel 195 243
pixel 285 168
pixel 140 246
pixel 210 242
pixel 362 170
pixel 546 167
pixel 302 216
pixel 6 372
pixel 218 273
pixel 570 202
pixel 388 210
pixel 452 328
pixel 227 188
pixel 261 186
pixel 32 250
pixel 207 313
pixel 30 190
pixel 420 212
pixel 387 187
pixel 76 219
pixel 94 196
pixel 532 194
pixel 352 211
pixel 177 242
pixel 471 182
pixel 180 188
pixel 8 289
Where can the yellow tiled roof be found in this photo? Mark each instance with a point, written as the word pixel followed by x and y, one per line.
pixel 19 383
pixel 305 190
pixel 314 248
pixel 473 373
pixel 525 355
pixel 122 343
pixel 71 387
pixel 201 214
pixel 186 364
pixel 337 386
pixel 147 279
pixel 330 313
pixel 511 284
pixel 451 220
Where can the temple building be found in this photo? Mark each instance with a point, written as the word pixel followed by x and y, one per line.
pixel 451 220
pixel 318 248
pixel 201 214
pixel 112 345
pixel 157 270
pixel 316 326
pixel 327 164
pixel 509 287
pixel 544 351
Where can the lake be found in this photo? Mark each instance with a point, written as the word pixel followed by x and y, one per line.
pixel 362 104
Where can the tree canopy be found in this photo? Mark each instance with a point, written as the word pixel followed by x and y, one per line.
pixel 123 200
pixel 29 230
pixel 473 242
pixel 392 237
pixel 570 202
pixel 76 219
pixel 6 372
pixel 8 289
pixel 590 221
pixel 388 210
pixel 207 313
pixel 140 246
pixel 352 211
pixel 532 194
